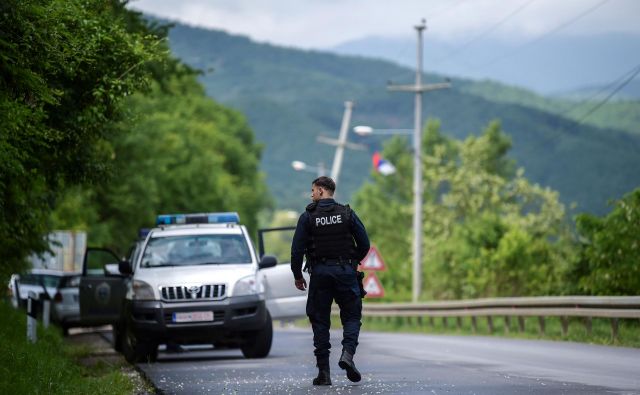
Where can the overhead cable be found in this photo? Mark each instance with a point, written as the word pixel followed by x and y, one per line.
pixel 486 32
pixel 616 90
pixel 545 35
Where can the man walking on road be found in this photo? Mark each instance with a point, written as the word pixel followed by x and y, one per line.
pixel 334 241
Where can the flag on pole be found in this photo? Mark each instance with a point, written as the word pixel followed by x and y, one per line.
pixel 383 166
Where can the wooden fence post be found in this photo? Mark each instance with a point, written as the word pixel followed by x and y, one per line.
pixel 474 324
pixel 541 323
pixel 459 322
pixel 614 329
pixel 507 324
pixel 521 323
pixel 588 326
pixel 564 322
pixel 490 322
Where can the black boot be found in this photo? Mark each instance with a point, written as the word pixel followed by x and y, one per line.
pixel 346 362
pixel 324 376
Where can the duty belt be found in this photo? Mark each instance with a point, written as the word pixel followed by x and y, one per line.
pixel 335 262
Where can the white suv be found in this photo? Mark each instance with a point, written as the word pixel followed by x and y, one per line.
pixel 196 278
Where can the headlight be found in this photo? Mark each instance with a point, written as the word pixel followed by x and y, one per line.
pixel 142 291
pixel 246 286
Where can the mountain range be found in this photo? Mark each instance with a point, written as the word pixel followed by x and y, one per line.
pixel 290 96
pixel 539 65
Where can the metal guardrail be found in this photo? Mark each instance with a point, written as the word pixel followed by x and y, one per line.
pixel 588 307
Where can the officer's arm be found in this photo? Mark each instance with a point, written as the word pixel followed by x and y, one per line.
pixel 298 245
pixel 360 236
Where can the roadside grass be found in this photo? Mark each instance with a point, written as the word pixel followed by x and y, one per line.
pixel 50 366
pixel 628 329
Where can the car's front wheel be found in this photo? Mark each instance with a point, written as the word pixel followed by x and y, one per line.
pixel 258 343
pixel 135 349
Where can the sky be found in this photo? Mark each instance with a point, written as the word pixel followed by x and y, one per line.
pixel 322 24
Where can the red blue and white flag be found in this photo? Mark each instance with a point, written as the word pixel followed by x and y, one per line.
pixel 383 166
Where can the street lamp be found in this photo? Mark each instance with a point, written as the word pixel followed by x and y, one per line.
pixel 364 130
pixel 301 166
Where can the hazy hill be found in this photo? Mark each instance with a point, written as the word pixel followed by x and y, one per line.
pixel 290 96
pixel 542 66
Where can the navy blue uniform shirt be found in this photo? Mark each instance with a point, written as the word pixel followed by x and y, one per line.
pixel 302 234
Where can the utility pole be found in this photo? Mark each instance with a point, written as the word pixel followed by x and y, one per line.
pixel 341 143
pixel 418 88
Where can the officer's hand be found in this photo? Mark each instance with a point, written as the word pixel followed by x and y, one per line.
pixel 301 284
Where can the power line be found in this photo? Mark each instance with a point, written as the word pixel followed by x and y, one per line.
pixel 488 31
pixel 606 99
pixel 544 35
pixel 603 89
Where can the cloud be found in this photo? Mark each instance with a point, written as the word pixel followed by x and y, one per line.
pixel 326 23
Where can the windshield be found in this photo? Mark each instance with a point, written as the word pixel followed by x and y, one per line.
pixel 196 250
pixel 40 279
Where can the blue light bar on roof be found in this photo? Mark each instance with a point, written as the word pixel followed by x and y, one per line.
pixel 201 218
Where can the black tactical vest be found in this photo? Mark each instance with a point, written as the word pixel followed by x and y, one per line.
pixel 330 230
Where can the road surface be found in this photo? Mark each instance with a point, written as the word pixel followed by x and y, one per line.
pixel 406 364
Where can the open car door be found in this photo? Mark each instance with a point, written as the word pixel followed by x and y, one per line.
pixel 102 287
pixel 284 300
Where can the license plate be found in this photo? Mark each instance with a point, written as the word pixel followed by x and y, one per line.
pixel 195 316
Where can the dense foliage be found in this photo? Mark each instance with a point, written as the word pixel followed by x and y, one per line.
pixel 102 128
pixel 487 230
pixel 65 67
pixel 610 258
pixel 181 152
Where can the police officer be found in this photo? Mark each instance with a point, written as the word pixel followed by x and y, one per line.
pixel 334 241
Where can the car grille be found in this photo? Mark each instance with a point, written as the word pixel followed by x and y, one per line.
pixel 188 292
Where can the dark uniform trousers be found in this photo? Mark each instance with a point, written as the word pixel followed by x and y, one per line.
pixel 329 282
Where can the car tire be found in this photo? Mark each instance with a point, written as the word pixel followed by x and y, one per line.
pixel 117 337
pixel 136 350
pixel 258 343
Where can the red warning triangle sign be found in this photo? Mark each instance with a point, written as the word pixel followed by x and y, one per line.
pixel 373 260
pixel 372 285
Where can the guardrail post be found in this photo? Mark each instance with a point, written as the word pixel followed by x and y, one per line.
pixel 431 321
pixel 541 323
pixel 459 322
pixel 614 329
pixel 587 325
pixel 46 312
pixel 507 324
pixel 564 321
pixel 420 321
pixel 474 324
pixel 444 322
pixel 32 334
pixel 490 323
pixel 521 323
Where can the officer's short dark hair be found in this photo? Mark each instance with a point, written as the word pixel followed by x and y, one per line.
pixel 326 183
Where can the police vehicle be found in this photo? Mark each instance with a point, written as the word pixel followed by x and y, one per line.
pixel 195 279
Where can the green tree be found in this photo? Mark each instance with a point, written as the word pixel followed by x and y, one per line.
pixel 65 67
pixel 182 152
pixel 487 230
pixel 610 255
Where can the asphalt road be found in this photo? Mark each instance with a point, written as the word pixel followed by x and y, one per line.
pixel 406 364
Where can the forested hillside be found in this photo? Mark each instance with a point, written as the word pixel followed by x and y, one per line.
pixel 290 96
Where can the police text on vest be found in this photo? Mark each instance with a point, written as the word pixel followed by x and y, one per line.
pixel 330 220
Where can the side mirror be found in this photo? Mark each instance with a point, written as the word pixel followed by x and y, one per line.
pixel 268 261
pixel 124 267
